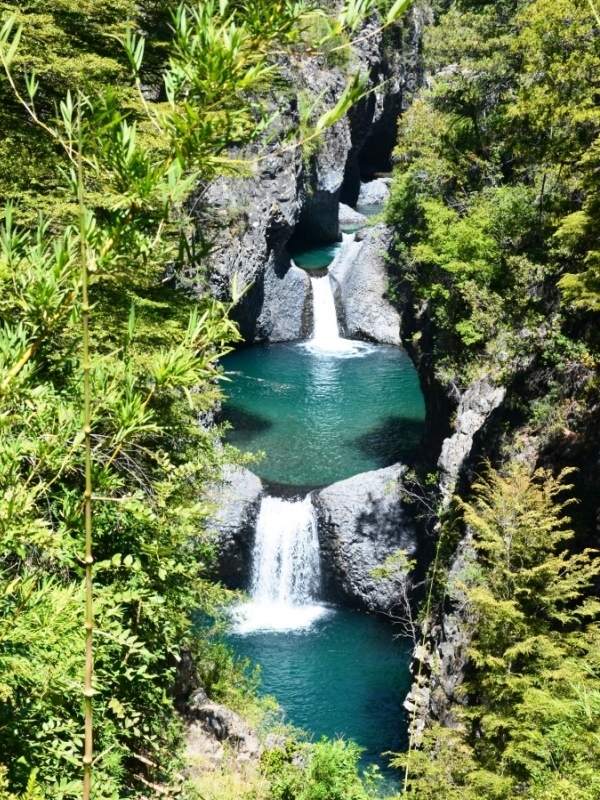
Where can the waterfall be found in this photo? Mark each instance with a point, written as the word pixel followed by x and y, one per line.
pixel 326 337
pixel 285 568
pixel 286 553
pixel 326 332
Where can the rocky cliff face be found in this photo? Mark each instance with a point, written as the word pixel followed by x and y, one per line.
pixel 474 410
pixel 362 521
pixel 360 280
pixel 237 503
pixel 295 192
pixel 444 653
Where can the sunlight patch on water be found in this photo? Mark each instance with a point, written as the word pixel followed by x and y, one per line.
pixel 340 348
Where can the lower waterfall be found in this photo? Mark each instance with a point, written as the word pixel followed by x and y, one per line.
pixel 286 553
pixel 286 573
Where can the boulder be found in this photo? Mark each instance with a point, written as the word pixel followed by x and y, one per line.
pixel 237 499
pixel 360 280
pixel 361 521
pixel 374 193
pixel 348 217
pixel 212 728
pixel 286 313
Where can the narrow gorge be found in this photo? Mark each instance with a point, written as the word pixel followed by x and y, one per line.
pixel 339 421
pixel 300 400
pixel 341 413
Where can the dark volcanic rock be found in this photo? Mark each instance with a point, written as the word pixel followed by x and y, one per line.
pixel 321 187
pixel 360 278
pixel 287 314
pixel 361 521
pixel 445 655
pixel 238 502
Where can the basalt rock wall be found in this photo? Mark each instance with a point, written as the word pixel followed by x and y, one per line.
pixel 362 521
pixel 296 191
pixel 237 503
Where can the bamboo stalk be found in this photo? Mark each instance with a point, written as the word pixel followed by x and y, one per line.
pixel 87 430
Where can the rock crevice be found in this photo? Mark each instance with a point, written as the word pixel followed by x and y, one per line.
pixel 251 220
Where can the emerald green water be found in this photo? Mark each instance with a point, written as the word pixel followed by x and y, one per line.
pixel 318 417
pixel 322 411
pixel 344 675
pixel 371 210
pixel 311 256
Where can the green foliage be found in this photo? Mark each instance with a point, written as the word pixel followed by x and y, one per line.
pixel 294 770
pixel 32 791
pixel 495 189
pixel 330 772
pixel 68 46
pixel 150 550
pixel 394 566
pixel 76 127
pixel 530 727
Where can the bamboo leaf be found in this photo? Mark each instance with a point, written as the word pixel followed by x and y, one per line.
pixel 12 49
pixel 398 8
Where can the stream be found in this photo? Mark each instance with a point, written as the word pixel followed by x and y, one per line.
pixel 320 411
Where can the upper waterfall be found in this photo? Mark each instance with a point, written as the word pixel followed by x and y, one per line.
pixel 326 333
pixel 286 573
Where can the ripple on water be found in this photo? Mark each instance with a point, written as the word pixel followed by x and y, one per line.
pixel 320 416
pixel 343 673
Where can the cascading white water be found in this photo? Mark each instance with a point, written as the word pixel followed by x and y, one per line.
pixel 285 569
pixel 326 337
pixel 326 333
pixel 286 553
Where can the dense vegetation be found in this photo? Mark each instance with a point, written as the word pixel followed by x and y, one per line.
pixel 495 185
pixel 530 725
pixel 495 210
pixel 101 152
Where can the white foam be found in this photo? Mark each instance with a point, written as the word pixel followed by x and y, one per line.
pixel 326 338
pixel 326 332
pixel 256 616
pixel 343 348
